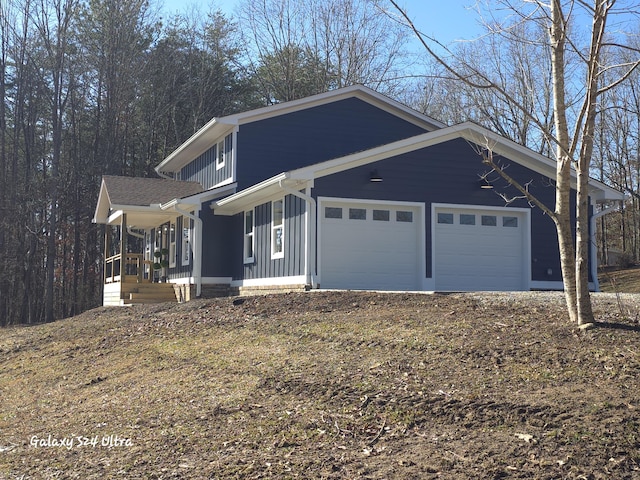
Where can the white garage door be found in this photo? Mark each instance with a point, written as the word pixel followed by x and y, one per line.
pixel 370 246
pixel 480 249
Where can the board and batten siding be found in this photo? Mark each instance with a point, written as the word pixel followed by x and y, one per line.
pixel 204 169
pixel 449 173
pixel 263 266
pixel 270 146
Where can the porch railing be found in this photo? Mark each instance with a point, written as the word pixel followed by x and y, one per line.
pixel 134 264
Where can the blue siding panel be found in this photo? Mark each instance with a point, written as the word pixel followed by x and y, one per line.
pixel 268 147
pixel 204 169
pixel 217 243
pixel 449 173
pixel 263 265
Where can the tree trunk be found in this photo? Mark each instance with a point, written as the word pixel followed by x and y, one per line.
pixel 557 36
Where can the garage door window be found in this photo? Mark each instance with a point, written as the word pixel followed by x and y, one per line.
pixel 466 219
pixel 489 221
pixel 381 215
pixel 405 217
pixel 510 222
pixel 445 218
pixel 357 214
pixel 332 212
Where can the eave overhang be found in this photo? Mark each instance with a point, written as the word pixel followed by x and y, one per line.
pixel 484 138
pixel 204 138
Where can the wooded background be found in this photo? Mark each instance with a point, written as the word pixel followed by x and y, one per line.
pixel 113 86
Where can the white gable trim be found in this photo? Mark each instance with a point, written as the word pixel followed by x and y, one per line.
pixel 204 138
pixel 468 131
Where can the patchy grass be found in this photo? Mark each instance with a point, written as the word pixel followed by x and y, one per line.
pixel 622 280
pixel 324 385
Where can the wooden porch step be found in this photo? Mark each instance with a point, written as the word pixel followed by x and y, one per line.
pixel 150 293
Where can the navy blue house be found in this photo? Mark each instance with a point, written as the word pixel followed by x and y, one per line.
pixel 343 190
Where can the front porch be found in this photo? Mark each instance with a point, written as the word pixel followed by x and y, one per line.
pixel 131 282
pixel 141 234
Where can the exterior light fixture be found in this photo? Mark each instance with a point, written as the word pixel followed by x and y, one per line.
pixel 485 185
pixel 375 176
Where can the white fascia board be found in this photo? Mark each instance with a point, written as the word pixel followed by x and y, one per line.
pixel 195 146
pixel 198 199
pixel 358 91
pixel 468 131
pixel 103 205
pixel 378 153
pixel 204 138
pixel 535 161
pixel 255 195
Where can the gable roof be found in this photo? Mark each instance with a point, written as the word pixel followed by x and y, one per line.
pixel 297 179
pixel 118 193
pixel 204 138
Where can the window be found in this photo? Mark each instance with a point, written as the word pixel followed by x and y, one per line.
pixel 248 236
pixel 445 218
pixel 489 220
pixel 357 214
pixel 148 251
pixel 381 215
pixel 467 219
pixel 186 234
pixel 172 244
pixel 220 155
pixel 277 229
pixel 510 222
pixel 402 216
pixel 332 212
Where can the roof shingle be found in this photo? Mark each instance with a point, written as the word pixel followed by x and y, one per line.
pixel 147 191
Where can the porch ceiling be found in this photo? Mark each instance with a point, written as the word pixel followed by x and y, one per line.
pixel 141 218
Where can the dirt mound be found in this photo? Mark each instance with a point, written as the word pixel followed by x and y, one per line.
pixel 325 385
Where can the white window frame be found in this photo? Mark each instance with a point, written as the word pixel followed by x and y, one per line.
pixel 173 233
pixel 275 227
pixel 249 237
pixel 220 155
pixel 148 252
pixel 186 241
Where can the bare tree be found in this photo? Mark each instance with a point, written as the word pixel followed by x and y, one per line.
pixel 311 46
pixel 575 93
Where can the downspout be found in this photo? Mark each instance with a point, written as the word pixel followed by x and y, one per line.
pixel 197 248
pixel 594 249
pixel 134 234
pixel 310 243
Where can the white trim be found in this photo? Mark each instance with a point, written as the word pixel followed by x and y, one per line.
pixel 267 282
pixel 205 280
pixel 526 247
pixel 468 131
pixel 234 155
pixel 173 244
pixel 185 245
pixel 245 236
pixel 220 152
pixel 204 138
pixel 275 254
pixel 423 282
pixel 255 194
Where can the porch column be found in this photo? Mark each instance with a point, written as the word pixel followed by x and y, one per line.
pixel 123 246
pixel 107 249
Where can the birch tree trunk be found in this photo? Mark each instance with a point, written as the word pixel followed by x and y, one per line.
pixel 562 219
pixel 577 80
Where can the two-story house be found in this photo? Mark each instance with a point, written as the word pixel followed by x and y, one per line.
pixel 348 189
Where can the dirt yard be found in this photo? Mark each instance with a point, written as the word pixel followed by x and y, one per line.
pixel 326 385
